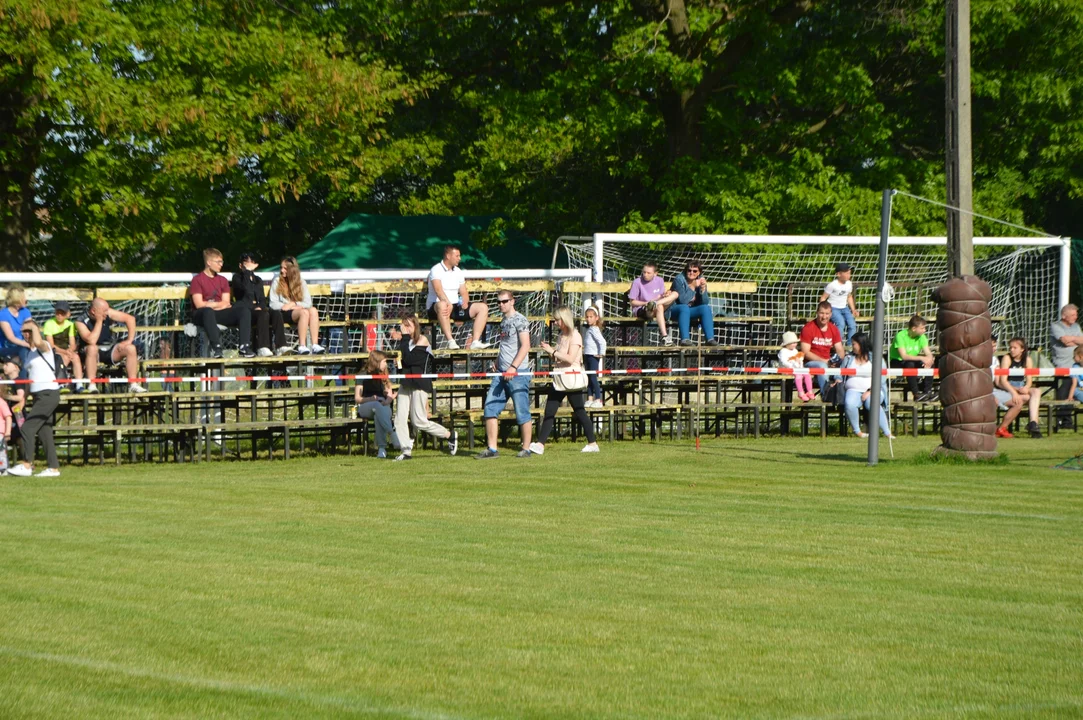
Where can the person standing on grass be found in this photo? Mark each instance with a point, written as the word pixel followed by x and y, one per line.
pixel 412 407
pixel 12 316
pixel 1065 337
pixel 839 293
pixel 910 350
pixel 859 387
pixel 1020 389
pixel 373 398
pixel 290 296
pixel 449 301
pixel 247 289
pixel 37 366
pixel 819 339
pixel 514 357
pixel 650 301
pixel 594 348
pixel 211 306
pixel 693 303
pixel 59 332
pixel 570 381
pixel 103 346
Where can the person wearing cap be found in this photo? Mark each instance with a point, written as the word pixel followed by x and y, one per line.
pixel 59 332
pixel 12 316
pixel 103 346
pixel 37 367
pixel 247 289
pixel 840 293
pixel 790 357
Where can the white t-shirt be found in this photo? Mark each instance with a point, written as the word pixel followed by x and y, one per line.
pixel 451 280
pixel 838 292
pixel 787 359
pixel 40 372
pixel 863 380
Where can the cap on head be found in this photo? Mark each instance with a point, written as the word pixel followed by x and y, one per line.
pixel 842 267
pixel 62 306
pixel 249 257
pixel 789 337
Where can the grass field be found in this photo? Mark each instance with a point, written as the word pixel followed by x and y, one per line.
pixel 770 578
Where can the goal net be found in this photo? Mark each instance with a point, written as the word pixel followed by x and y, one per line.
pixel 1029 278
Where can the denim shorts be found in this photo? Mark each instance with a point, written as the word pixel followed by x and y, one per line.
pixel 517 389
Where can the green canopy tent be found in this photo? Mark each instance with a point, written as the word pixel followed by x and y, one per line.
pixel 389 242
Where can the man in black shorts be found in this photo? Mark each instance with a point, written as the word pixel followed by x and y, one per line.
pixel 105 347
pixel 449 301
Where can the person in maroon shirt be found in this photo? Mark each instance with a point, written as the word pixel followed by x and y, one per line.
pixel 819 338
pixel 211 306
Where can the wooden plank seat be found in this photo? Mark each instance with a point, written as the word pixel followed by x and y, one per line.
pixel 183 437
pixel 160 365
pixel 270 429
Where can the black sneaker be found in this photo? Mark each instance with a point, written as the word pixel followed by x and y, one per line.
pixel 687 343
pixel 711 343
pixel 524 453
pixel 246 352
pixel 453 443
pixel 1032 428
pixel 486 454
pixel 216 351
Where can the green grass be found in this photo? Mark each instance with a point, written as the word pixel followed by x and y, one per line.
pixel 770 578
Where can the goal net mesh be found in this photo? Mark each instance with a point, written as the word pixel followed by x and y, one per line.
pixel 791 278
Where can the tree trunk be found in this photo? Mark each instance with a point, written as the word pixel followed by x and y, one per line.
pixel 22 132
pixel 683 115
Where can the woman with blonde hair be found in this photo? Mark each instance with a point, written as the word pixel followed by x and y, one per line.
pixel 289 293
pixel 12 317
pixel 413 405
pixel 569 381
pixel 374 398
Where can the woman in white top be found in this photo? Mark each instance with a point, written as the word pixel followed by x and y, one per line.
pixel 569 382
pixel 859 387
pixel 45 391
pixel 289 293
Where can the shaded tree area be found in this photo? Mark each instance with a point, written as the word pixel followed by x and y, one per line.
pixel 137 132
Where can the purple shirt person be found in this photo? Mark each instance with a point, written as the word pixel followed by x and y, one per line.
pixel 650 301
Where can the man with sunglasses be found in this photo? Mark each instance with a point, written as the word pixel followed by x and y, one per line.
pixel 514 357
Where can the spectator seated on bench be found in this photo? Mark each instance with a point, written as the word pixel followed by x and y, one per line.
pixel 650 301
pixel 693 303
pixel 247 289
pixel 290 296
pixel 211 306
pixel 104 347
pixel 448 300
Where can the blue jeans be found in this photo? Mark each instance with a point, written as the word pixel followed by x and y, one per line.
pixel 843 319
pixel 821 380
pixel 854 404
pixel 502 389
pixel 685 315
pixel 594 386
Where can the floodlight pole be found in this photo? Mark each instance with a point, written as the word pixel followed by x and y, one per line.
pixel 877 352
pixel 959 170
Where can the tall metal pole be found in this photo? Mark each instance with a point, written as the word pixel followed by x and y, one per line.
pixel 878 331
pixel 959 171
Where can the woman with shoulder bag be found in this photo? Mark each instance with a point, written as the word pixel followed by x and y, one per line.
pixel 569 381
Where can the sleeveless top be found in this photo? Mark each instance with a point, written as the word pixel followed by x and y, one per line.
pixel 1017 381
pixel 415 360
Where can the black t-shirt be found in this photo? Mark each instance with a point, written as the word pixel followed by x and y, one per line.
pixel 416 361
pixel 105 337
pixel 370 388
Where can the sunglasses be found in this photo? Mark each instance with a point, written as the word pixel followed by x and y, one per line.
pixel 508 300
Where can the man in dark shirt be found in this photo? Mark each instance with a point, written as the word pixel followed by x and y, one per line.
pixel 211 306
pixel 104 346
pixel 247 288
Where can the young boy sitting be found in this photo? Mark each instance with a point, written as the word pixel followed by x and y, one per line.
pixel 59 332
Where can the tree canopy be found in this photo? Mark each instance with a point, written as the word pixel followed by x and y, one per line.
pixel 137 131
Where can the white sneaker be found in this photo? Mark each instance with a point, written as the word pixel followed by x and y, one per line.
pixel 303 350
pixel 537 448
pixel 264 352
pixel 452 345
pixel 318 349
pixel 402 457
pixel 48 472
pixel 284 350
pixel 92 387
pixel 136 388
pixel 593 447
pixel 667 341
pixel 478 345
pixel 453 443
pixel 20 470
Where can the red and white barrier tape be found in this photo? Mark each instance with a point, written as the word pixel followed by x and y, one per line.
pixel 846 372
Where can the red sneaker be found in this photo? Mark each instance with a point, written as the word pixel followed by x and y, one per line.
pixel 1003 433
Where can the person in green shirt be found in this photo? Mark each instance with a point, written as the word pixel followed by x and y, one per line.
pixel 910 350
pixel 59 332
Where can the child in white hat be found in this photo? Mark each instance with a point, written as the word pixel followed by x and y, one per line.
pixel 790 357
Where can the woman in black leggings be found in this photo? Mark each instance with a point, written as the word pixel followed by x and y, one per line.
pixel 40 369
pixel 570 381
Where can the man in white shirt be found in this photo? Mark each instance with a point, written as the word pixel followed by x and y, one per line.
pixel 449 300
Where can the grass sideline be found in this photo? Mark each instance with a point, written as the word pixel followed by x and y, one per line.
pixel 778 577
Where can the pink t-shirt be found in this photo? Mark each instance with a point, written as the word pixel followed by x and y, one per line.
pixel 211 288
pixel 646 292
pixel 5 418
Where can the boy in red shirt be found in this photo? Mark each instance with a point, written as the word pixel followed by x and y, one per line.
pixel 211 306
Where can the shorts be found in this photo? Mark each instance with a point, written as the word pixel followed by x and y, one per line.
pixel 105 355
pixel 1003 397
pixel 458 313
pixel 641 313
pixel 518 389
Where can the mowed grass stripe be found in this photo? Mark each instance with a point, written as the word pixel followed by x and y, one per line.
pixel 649 581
